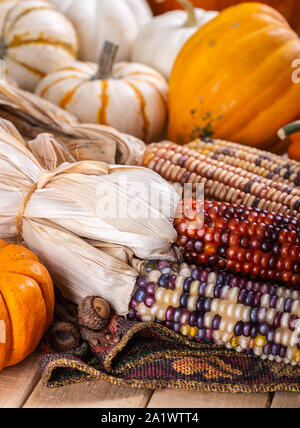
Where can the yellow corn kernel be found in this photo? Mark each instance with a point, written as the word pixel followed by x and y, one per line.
pixel 234 342
pixel 185 330
pixel 297 356
pixel 194 331
pixel 261 341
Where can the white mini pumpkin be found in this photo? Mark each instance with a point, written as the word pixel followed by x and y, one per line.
pixel 35 39
pixel 129 97
pixel 160 41
pixel 99 20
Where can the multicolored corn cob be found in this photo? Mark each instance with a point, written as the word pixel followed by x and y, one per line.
pixel 206 305
pixel 242 240
pixel 221 182
pixel 262 163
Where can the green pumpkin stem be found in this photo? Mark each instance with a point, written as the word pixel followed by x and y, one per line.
pixel 290 129
pixel 106 61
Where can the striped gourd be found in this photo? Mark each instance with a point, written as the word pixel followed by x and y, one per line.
pixel 35 40
pixel 129 97
pixel 207 305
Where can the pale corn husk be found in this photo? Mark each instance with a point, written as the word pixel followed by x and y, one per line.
pixel 32 116
pixel 86 252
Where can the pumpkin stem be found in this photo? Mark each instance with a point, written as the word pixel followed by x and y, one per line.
pixel 289 129
pixel 106 61
pixel 190 10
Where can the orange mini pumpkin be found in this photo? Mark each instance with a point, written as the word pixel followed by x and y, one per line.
pixel 291 133
pixel 26 303
pixel 290 9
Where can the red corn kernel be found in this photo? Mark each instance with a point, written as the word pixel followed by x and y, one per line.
pixel 201 232
pixel 210 249
pixel 221 223
pixel 234 239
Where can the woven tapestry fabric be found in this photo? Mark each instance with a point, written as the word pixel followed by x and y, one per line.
pixel 148 355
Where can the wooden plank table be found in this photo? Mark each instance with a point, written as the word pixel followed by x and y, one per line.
pixel 20 386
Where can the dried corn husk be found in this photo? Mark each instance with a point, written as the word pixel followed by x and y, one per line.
pixel 86 252
pixel 33 116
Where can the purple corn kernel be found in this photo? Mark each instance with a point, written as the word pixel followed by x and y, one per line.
pixel 257 299
pixel 200 321
pixel 277 320
pixel 238 331
pixel 185 317
pixel 184 300
pixel 193 319
pixel 149 301
pixel 216 322
pixel 172 282
pixel 151 288
pixel 288 305
pixel 170 313
pixel 273 302
pixel 140 295
pixel 261 315
pixel 163 264
pixel 177 315
pixel 134 303
pixel 202 289
pixel 292 322
pixel 142 281
pixel 187 284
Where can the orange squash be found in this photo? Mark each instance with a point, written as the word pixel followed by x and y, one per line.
pixel 290 9
pixel 26 303
pixel 233 79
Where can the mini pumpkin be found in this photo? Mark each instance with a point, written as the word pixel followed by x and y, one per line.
pixel 35 40
pixel 291 133
pixel 233 79
pixel 159 42
pixel 290 9
pixel 129 97
pixel 98 20
pixel 26 303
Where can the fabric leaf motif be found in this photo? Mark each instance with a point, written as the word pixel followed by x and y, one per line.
pixel 211 368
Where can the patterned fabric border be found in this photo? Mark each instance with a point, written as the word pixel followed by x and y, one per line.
pixel 151 356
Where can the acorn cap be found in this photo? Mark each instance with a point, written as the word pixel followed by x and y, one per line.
pixel 93 313
pixel 63 337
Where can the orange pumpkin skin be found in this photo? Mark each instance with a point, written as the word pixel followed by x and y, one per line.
pixel 290 9
pixel 294 149
pixel 233 79
pixel 26 303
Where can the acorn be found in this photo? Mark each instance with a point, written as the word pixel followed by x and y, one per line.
pixel 63 337
pixel 93 313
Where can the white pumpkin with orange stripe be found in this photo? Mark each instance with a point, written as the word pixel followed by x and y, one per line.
pixel 127 96
pixel 35 40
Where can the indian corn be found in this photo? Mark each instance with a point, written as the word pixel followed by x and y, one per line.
pixel 206 305
pixel 242 240
pixel 221 182
pixel 262 163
